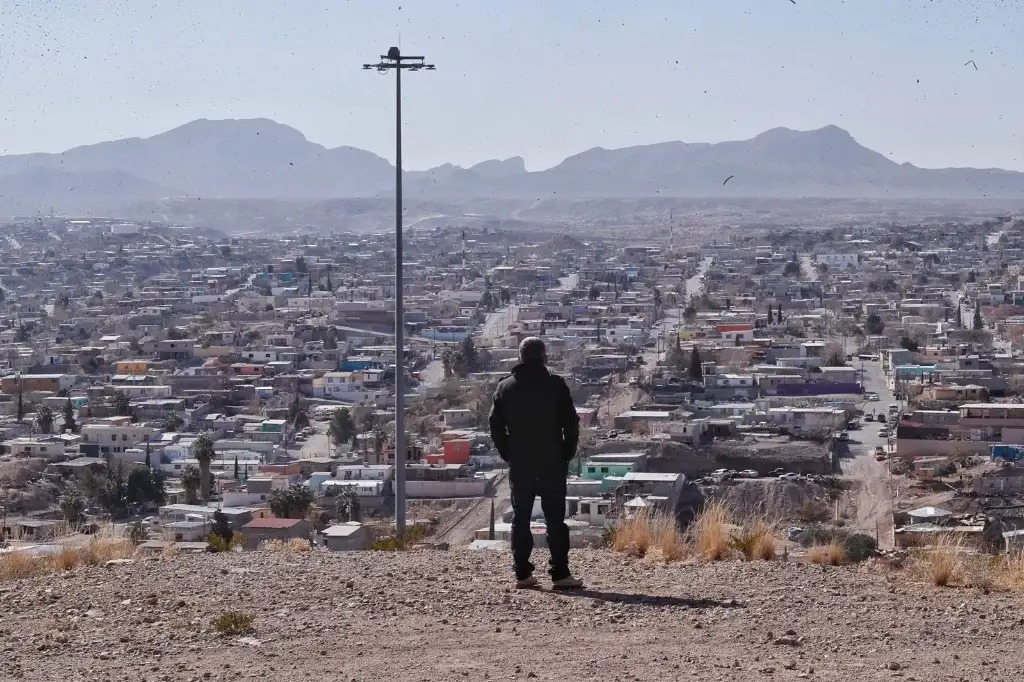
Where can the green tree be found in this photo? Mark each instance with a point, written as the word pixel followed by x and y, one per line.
pixel 873 324
pixel 297 416
pixel 342 427
pixel 791 269
pixel 594 293
pixel 44 419
pixel 175 334
pixel 909 344
pixel 236 467
pixel 505 296
pixel 674 356
pixel 204 455
pixel 977 324
pixel 21 399
pixel 145 486
pixel 173 422
pixel 293 503
pixel 72 504
pixel 69 417
pixel 122 405
pixel 696 367
pixel 689 313
pixel 222 527
pixel 300 265
pixel 191 481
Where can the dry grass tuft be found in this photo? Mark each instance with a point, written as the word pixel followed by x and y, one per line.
pixel 1009 572
pixel 655 536
pixel 66 558
pixel 832 554
pixel 755 540
pixel 710 532
pixel 766 548
pixel 17 565
pixel 943 564
pixel 97 550
pixel 292 546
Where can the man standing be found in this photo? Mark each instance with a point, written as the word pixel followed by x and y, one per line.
pixel 535 428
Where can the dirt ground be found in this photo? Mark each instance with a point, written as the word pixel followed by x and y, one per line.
pixel 432 616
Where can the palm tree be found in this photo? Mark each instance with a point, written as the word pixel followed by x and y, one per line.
pixel 190 481
pixel 204 455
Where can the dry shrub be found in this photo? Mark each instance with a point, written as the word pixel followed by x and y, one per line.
pixel 755 540
pixel 66 558
pixel 710 532
pixel 292 546
pixel 633 535
pixel 1009 572
pixel 943 564
pixel 652 535
pixel 233 623
pixel 17 565
pixel 105 547
pixel 170 551
pixel 832 554
pixel 767 547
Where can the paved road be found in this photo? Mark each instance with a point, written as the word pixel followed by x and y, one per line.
pixel 872 499
pixel 498 322
pixel 662 329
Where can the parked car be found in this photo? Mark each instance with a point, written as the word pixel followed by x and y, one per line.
pixel 747 473
pixel 881 417
pixel 777 472
pixel 844 436
pixel 884 433
pixel 872 397
pixel 794 533
pixel 869 417
pixel 790 477
pixel 879 453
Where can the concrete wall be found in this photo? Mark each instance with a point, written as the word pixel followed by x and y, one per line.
pixel 907 448
pixel 467 487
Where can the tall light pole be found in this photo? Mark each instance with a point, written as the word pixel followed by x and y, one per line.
pixel 396 61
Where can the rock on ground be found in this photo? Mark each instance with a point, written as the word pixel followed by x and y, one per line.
pixel 433 616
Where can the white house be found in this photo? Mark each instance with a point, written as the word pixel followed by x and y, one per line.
pixel 838 260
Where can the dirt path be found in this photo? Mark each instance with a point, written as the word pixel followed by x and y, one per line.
pixel 478 515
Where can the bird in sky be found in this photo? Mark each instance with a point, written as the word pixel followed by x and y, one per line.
pixel 971 62
pixel 728 179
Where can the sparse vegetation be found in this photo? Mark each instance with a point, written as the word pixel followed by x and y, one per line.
pixel 942 564
pixel 292 546
pixel 233 623
pixel 831 554
pixel 400 542
pixel 709 532
pixel 654 535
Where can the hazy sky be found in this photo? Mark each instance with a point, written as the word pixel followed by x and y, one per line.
pixel 537 78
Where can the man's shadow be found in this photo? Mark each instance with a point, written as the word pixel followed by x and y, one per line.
pixel 651 600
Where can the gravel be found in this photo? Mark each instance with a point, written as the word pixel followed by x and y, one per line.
pixel 431 615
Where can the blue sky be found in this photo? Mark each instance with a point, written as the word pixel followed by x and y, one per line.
pixel 537 78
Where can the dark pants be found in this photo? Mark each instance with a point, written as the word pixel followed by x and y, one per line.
pixel 552 502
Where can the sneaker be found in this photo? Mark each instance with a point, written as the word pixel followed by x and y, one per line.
pixel 526 583
pixel 567 583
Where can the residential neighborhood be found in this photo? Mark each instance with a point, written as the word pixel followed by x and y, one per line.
pixel 154 376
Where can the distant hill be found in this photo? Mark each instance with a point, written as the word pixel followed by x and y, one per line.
pixel 262 159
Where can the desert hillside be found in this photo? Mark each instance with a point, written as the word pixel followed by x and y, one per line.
pixel 429 615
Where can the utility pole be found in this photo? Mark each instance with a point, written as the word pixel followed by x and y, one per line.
pixel 395 61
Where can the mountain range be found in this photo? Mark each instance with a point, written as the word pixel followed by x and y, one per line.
pixel 262 159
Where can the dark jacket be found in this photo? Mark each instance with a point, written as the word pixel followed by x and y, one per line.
pixel 534 424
